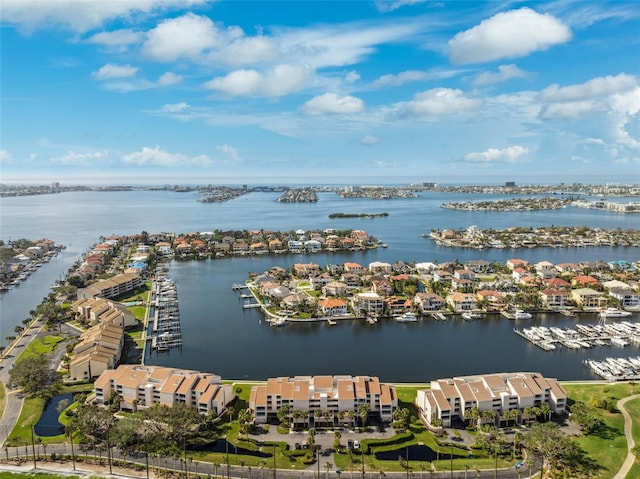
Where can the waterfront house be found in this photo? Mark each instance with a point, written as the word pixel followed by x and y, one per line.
pixel 313 245
pixel 568 268
pixel 428 302
pixel 425 268
pixel 335 269
pixel 275 290
pixel 460 302
pixel 222 248
pixel 395 305
pixel 588 298
pixel 449 399
pixel 275 245
pixel 464 274
pixel 258 248
pixel 295 246
pixel 519 273
pixel 545 270
pixel 494 300
pixel 333 307
pixel 402 268
pixel 140 387
pixel 335 395
pixel 462 285
pixel 554 298
pixel 368 302
pixel 354 268
pixel 626 296
pixel 584 281
pixel 347 243
pixel 240 247
pixel 351 280
pixel 442 275
pixel 295 300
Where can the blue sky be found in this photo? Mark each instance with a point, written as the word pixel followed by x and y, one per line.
pixel 150 91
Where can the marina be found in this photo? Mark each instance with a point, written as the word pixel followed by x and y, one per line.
pixel 616 369
pixel 583 336
pixel 164 331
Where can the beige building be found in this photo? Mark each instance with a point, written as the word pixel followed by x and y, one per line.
pixel 96 310
pixel 97 350
pixel 112 287
pixel 448 399
pixel 140 387
pixel 327 400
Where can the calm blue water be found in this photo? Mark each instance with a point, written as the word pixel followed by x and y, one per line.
pixel 220 337
pixel 48 424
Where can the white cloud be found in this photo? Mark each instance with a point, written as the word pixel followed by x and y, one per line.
pixel 157 157
pixel 511 34
pixel 79 15
pixel 246 51
pixel 438 101
pixel 369 140
pixel 188 36
pixel 118 40
pixel 391 80
pixel 332 103
pixel 595 88
pixel 495 155
pixel 230 153
pixel 390 5
pixel 169 78
pixel 5 156
pixel 110 70
pixel 73 158
pixel 128 86
pixel 504 73
pixel 175 107
pixel 278 81
pixel 352 77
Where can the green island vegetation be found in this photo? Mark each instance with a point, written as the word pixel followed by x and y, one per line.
pixel 358 215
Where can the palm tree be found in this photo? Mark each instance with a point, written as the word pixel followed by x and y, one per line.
pixel 472 415
pixel 328 467
pixel 545 410
pixel 363 412
pixel 489 414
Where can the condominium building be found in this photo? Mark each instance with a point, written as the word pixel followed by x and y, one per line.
pixel 112 287
pixel 140 387
pixel 98 349
pixel 95 310
pixel 325 400
pixel 448 399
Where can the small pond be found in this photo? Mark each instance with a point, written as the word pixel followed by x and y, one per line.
pixel 48 425
pixel 415 453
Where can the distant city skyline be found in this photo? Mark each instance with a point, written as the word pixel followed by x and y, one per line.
pixel 320 92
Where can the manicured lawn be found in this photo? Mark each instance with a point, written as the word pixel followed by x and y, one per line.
pixel 608 446
pixel 138 311
pixel 42 345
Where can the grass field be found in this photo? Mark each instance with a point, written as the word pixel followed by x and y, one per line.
pixel 42 345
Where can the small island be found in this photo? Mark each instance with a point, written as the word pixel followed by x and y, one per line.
pixel 358 215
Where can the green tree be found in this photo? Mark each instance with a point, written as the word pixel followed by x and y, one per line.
pixel 363 413
pixel 32 374
pixel 549 443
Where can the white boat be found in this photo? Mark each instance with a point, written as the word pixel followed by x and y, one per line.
pixel 278 321
pixel 471 315
pixel 520 314
pixel 614 313
pixel 407 317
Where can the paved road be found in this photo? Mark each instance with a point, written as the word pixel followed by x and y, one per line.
pixel 628 462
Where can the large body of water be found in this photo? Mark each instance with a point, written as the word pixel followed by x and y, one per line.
pixel 219 336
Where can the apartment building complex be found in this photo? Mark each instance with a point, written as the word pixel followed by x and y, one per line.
pixel 325 400
pixel 112 287
pixel 98 349
pixel 448 399
pixel 140 387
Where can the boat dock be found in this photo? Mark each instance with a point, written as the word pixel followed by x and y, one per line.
pixel 616 369
pixel 584 336
pixel 164 330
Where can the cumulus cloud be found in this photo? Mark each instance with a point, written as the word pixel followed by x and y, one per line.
pixel 118 40
pixel 369 140
pixel 504 73
pixel 495 155
pixel 73 158
pixel 187 36
pixel 620 93
pixel 438 101
pixel 79 15
pixel 246 50
pixel 277 81
pixel 169 78
pixel 332 103
pixel 511 34
pixel 158 157
pixel 111 70
pixel 5 155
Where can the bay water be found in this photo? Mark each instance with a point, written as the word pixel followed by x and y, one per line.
pixel 219 336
